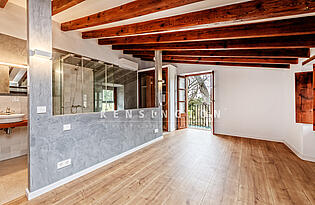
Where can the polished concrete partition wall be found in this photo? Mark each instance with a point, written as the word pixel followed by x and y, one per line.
pixel 92 138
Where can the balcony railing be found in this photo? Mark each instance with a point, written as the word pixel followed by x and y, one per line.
pixel 200 116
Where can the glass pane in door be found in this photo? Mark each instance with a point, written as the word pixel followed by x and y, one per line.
pixel 182 95
pixel 182 107
pixel 182 83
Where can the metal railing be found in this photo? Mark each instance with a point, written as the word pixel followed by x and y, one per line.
pixel 200 115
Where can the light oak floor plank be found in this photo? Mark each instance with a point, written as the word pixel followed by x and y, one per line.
pixel 192 166
pixel 13 178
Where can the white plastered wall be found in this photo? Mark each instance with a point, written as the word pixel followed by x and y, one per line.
pixel 259 103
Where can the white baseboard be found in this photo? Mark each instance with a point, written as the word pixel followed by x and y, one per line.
pixel 293 149
pixel 250 137
pixel 299 154
pixel 34 194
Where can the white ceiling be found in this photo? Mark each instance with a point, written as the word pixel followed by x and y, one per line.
pixel 89 7
pixel 21 3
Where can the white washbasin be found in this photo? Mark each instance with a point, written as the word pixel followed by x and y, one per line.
pixel 11 118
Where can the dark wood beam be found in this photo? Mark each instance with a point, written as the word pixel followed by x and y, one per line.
pixel 61 5
pixel 227 59
pixel 3 3
pixel 309 60
pixel 297 41
pixel 285 66
pixel 259 53
pixel 123 12
pixel 304 25
pixel 250 10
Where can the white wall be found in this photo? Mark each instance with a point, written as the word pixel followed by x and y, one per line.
pixel 259 103
pixel 299 137
pixel 250 103
pixel 172 77
pixel 73 42
pixel 294 134
pixel 13 22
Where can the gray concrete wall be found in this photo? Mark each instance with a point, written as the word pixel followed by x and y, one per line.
pixel 92 139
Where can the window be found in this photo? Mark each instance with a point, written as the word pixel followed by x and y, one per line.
pixel 108 103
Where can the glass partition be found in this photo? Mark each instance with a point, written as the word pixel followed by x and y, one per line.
pixel 82 85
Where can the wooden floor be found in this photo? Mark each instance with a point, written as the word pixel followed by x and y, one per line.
pixel 13 178
pixel 193 167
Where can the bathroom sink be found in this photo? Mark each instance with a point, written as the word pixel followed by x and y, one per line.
pixel 11 118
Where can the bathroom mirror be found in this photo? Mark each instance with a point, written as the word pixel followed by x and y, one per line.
pixel 13 69
pixel 13 80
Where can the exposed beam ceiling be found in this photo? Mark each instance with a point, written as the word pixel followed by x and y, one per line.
pixel 269 43
pixel 285 66
pixel 251 10
pixel 309 60
pixel 259 53
pixel 123 12
pixel 297 41
pixel 295 26
pixel 226 59
pixel 3 3
pixel 61 5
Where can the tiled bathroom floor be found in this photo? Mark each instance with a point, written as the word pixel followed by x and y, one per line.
pixel 13 178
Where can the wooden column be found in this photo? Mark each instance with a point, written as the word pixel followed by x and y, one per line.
pixel 158 78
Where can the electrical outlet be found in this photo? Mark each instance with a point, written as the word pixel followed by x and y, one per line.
pixel 156 131
pixel 41 109
pixel 66 127
pixel 63 164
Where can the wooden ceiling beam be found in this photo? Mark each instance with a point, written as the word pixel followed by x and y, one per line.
pixel 250 10
pixel 297 41
pixel 297 26
pixel 123 12
pixel 3 3
pixel 61 5
pixel 283 66
pixel 309 60
pixel 258 53
pixel 227 59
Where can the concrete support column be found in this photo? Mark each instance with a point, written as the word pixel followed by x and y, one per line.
pixel 158 78
pixel 39 38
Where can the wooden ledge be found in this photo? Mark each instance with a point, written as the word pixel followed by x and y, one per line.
pixel 14 124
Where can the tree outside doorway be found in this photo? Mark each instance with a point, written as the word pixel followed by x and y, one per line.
pixel 199 101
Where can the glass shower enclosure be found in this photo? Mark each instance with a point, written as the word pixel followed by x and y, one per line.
pixel 83 85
